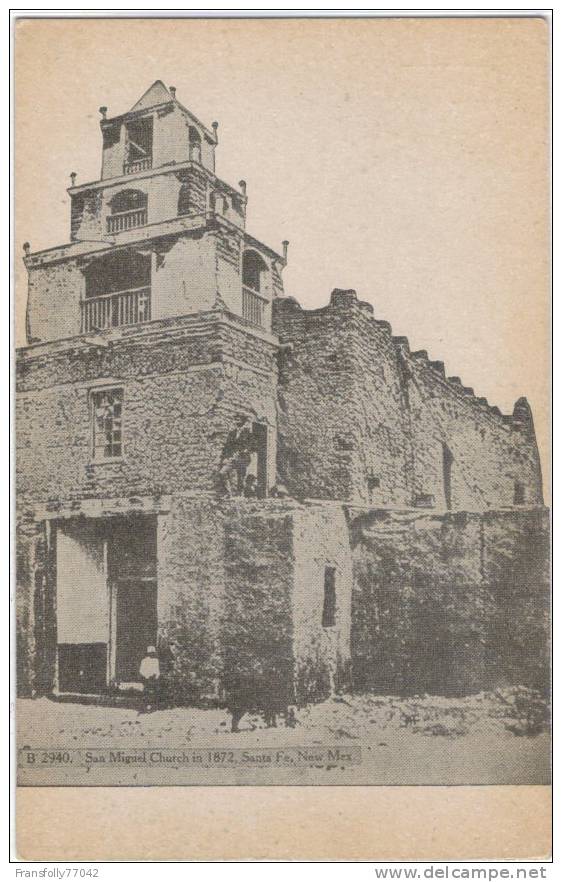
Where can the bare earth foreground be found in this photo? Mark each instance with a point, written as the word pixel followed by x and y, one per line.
pixel 489 738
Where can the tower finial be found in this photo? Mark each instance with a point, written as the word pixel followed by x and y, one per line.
pixel 285 249
pixel 172 90
pixel 215 126
pixel 103 111
pixel 72 179
pixel 26 248
pixel 242 185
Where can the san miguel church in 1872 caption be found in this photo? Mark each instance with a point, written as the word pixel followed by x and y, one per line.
pixel 205 466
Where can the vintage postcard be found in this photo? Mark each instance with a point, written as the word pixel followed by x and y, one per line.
pixel 282 429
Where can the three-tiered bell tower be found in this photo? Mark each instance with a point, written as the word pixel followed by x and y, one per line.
pixel 158 236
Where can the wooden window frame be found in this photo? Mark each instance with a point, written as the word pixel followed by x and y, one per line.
pixel 93 394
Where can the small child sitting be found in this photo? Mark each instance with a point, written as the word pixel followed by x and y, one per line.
pixel 150 676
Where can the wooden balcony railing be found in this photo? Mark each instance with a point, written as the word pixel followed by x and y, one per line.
pixel 112 310
pixel 137 165
pixel 126 220
pixel 253 305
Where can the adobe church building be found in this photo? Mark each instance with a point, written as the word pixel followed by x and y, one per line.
pixel 205 466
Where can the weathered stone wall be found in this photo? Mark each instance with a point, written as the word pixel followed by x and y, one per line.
pixel 275 555
pixel 449 604
pixel 316 379
pixel 362 418
pixel 257 627
pixel 240 598
pixel 445 604
pixel 191 587
pixel 490 452
pixel 322 654
pixel 35 608
pixel 182 392
pixel 54 295
pixel 184 279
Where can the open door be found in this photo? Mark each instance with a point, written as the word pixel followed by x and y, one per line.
pixel 82 607
pixel 106 600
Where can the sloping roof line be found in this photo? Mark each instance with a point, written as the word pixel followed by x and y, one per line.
pixel 159 94
pixel 156 94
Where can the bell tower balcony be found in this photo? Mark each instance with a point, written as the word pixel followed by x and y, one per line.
pixel 132 166
pixel 127 220
pixel 129 209
pixel 116 309
pixel 117 291
pixel 254 305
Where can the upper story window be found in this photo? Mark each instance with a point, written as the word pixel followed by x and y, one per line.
pixel 194 144
pixel 329 607
pixel 107 424
pixel 129 209
pixel 254 271
pixel 118 291
pixel 138 155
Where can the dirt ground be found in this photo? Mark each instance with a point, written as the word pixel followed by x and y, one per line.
pixel 499 737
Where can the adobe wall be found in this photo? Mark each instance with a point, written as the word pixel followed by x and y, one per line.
pixel 446 604
pixel 491 452
pixel 184 279
pixel 240 597
pixel 275 554
pixel 35 609
pixel 53 300
pixel 191 585
pixel 362 418
pixel 317 453
pixel 322 654
pixel 183 388
pixel 449 604
pixel 257 628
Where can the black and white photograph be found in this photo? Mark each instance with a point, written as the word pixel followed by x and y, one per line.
pixel 282 429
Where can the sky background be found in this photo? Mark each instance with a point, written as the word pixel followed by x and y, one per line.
pixel 405 158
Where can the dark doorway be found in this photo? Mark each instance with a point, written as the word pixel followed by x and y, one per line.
pixel 132 571
pixel 136 625
pixel 447 472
